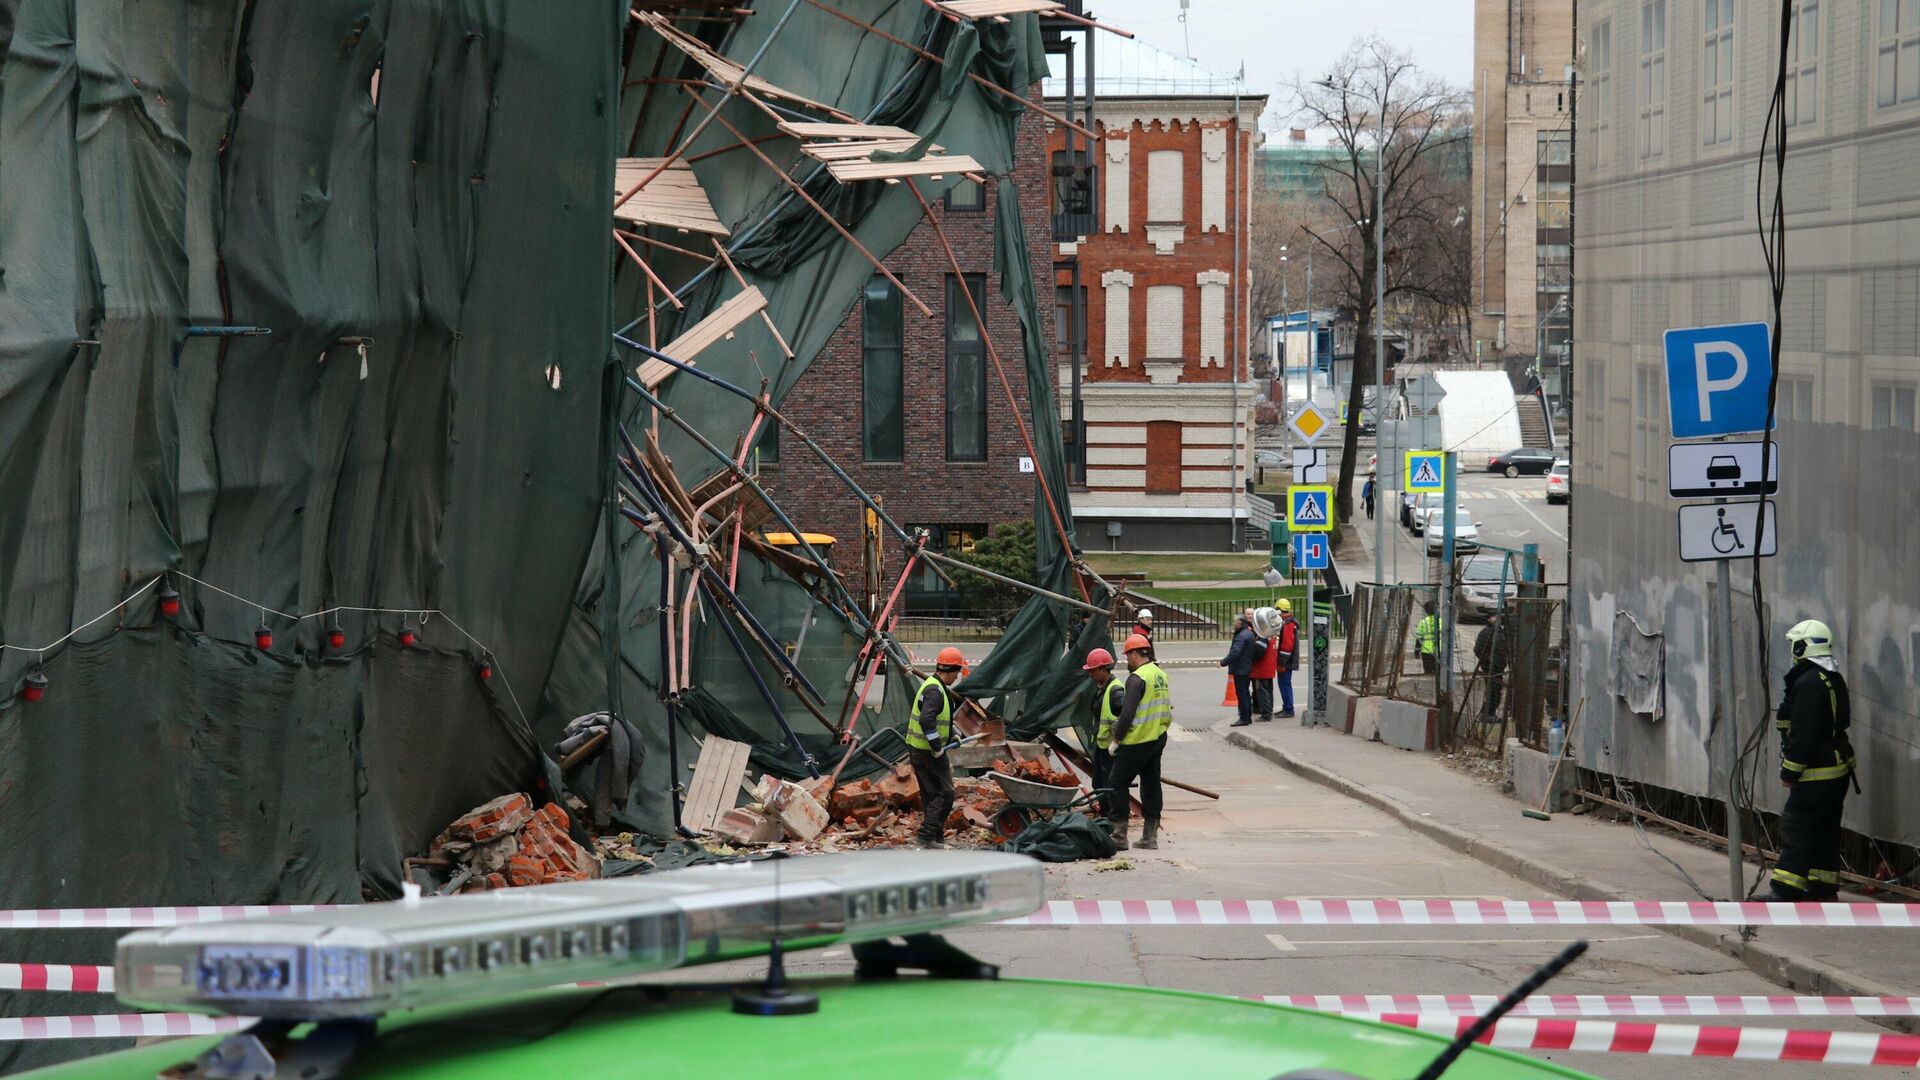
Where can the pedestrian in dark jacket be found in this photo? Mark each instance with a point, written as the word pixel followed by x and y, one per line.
pixel 1239 662
pixel 1816 765
pixel 1493 648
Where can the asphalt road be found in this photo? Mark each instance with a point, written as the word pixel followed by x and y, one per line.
pixel 1509 513
pixel 1274 835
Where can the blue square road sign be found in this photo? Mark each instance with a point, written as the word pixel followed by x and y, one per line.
pixel 1311 551
pixel 1310 508
pixel 1717 379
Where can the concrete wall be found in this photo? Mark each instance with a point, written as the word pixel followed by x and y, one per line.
pixel 1667 239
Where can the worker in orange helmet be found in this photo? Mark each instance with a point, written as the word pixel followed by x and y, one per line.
pixel 1108 694
pixel 929 731
pixel 1139 738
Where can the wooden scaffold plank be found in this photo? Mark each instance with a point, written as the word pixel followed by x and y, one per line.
pixel 720 323
pixel 673 199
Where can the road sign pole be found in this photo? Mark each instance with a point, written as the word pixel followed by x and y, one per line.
pixel 1447 503
pixel 1311 714
pixel 1736 864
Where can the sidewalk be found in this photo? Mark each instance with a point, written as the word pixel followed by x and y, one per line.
pixel 1584 858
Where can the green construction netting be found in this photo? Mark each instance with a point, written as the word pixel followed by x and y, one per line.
pixel 410 196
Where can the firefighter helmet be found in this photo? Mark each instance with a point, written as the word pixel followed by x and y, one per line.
pixel 1810 638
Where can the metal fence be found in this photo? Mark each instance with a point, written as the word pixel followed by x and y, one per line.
pixel 1507 670
pixel 1204 620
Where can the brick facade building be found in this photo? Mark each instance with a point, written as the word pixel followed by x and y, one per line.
pixel 1165 388
pixel 912 407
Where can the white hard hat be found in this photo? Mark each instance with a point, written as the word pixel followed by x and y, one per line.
pixel 1145 614
pixel 1810 637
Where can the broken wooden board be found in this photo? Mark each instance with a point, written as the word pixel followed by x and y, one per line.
pixel 716 777
pixel 932 165
pixel 673 199
pixel 719 66
pixel 998 9
pixel 806 130
pixel 720 323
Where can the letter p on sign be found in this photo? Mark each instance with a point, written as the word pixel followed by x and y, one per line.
pixel 1718 378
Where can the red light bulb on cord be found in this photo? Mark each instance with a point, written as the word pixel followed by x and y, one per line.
pixel 34 687
pixel 407 636
pixel 169 600
pixel 485 670
pixel 336 637
pixel 263 637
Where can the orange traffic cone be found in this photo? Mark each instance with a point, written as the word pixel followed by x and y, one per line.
pixel 1231 700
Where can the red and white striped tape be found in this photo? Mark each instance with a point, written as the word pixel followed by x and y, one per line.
pixel 67 978
pixel 1681 1040
pixel 130 917
pixel 1584 1005
pixel 1464 913
pixel 116 1026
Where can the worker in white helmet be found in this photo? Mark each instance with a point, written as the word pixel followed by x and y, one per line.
pixel 1143 625
pixel 1816 764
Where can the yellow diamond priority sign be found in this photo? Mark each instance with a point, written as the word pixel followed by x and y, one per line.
pixel 1308 422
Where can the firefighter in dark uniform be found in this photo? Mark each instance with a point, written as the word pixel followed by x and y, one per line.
pixel 1816 764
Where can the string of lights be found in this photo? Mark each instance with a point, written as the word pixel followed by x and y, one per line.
pixel 34 685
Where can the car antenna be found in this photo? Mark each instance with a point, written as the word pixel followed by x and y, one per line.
pixel 1502 1007
pixel 772 997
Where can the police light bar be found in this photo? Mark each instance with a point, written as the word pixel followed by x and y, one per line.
pixel 371 959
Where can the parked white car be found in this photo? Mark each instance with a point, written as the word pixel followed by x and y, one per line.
pixel 1466 534
pixel 1560 481
pixel 1422 504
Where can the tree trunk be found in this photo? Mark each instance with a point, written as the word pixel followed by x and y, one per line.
pixel 1361 376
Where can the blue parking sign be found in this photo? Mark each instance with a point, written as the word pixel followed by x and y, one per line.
pixel 1311 551
pixel 1717 379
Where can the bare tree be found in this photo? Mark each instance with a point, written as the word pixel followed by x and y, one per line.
pixel 1375 100
pixel 1283 228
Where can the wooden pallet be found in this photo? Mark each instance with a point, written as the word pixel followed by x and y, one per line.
pixel 673 199
pixel 723 69
pixel 998 10
pixel 717 777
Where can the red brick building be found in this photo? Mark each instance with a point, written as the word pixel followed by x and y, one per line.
pixel 912 407
pixel 1165 388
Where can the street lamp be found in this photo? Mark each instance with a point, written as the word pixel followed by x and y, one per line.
pixel 1379 307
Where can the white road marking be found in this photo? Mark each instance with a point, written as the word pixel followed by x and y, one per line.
pixel 1280 942
pixel 1529 512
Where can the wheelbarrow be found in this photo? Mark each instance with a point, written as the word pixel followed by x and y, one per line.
pixel 1029 801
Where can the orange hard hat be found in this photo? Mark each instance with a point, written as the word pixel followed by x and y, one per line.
pixel 950 657
pixel 1099 658
pixel 1136 642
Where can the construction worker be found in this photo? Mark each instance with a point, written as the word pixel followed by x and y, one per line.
pixel 929 730
pixel 1816 764
pixel 1287 659
pixel 1426 638
pixel 1139 738
pixel 1493 647
pixel 1143 627
pixel 1108 696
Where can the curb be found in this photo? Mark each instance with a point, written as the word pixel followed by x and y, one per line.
pixel 1792 970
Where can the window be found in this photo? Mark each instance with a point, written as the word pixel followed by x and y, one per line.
pixel 1803 64
pixel 1553 203
pixel 1899 57
pixel 1794 400
pixel 1653 78
pixel 969 196
pixel 926 592
pixel 1064 320
pixel 882 404
pixel 1649 415
pixel 1163 457
pixel 1600 86
pixel 966 371
pixel 1166 322
pixel 1892 406
pixel 1716 74
pixel 1166 195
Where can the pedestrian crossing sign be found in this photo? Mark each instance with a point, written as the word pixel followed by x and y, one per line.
pixel 1426 470
pixel 1311 551
pixel 1310 508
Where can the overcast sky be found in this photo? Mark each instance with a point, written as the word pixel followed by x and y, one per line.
pixel 1277 38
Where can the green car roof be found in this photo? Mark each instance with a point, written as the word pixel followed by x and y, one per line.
pixel 925 1028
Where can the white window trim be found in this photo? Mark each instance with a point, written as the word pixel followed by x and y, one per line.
pixel 1117 345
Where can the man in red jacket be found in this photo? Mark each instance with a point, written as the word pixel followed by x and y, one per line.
pixel 1263 672
pixel 1286 654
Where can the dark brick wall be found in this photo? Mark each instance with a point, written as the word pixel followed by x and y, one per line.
pixel 924 488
